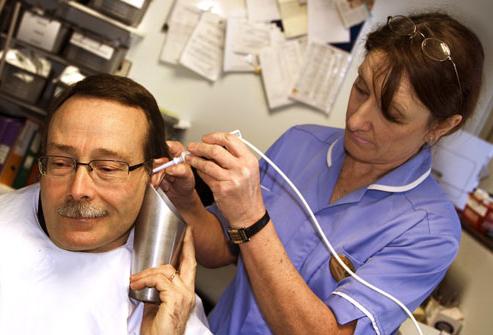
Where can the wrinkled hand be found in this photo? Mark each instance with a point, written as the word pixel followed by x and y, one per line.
pixel 176 291
pixel 178 182
pixel 232 173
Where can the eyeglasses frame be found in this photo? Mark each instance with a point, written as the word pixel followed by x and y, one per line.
pixel 423 43
pixel 76 164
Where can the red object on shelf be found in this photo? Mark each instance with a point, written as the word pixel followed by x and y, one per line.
pixel 478 211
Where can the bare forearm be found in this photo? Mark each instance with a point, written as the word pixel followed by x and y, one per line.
pixel 286 302
pixel 210 243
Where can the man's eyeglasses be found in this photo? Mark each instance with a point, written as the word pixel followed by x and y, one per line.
pixel 431 47
pixel 102 170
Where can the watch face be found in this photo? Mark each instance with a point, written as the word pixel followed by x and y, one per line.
pixel 238 236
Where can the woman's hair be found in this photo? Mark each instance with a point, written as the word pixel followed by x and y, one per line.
pixel 126 92
pixel 434 82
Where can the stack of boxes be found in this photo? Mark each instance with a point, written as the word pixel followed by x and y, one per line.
pixel 56 38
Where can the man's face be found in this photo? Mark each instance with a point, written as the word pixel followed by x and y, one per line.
pixel 89 129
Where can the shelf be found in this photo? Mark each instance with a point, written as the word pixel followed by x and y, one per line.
pixel 98 15
pixel 478 236
pixel 30 107
pixel 51 56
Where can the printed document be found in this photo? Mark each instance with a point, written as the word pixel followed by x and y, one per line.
pixel 321 76
pixel 204 51
pixel 280 66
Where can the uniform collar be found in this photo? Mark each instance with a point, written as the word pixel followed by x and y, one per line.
pixel 401 179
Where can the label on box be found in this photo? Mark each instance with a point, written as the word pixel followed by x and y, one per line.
pixel 95 47
pixel 477 207
pixel 134 3
pixel 38 31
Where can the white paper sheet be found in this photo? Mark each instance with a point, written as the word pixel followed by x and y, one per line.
pixel 457 162
pixel 184 18
pixel 280 66
pixel 262 10
pixel 234 62
pixel 324 23
pixel 351 14
pixel 321 76
pixel 204 51
pixel 294 18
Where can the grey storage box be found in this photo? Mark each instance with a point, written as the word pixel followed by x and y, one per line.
pixel 24 75
pixel 42 32
pixel 90 52
pixel 129 12
pixel 69 76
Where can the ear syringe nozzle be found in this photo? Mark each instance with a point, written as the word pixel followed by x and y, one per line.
pixel 175 161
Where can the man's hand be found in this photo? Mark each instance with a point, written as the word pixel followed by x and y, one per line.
pixel 176 291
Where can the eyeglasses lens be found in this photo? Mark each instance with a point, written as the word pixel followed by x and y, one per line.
pixel 436 49
pixel 402 25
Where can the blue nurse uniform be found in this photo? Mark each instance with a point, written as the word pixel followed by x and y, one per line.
pixel 400 233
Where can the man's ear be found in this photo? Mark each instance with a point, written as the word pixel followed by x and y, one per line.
pixel 442 128
pixel 158 177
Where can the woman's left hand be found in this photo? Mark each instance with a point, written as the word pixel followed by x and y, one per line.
pixel 232 172
pixel 176 292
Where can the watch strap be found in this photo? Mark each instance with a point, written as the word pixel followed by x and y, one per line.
pixel 242 235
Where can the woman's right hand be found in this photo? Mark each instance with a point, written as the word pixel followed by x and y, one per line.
pixel 178 182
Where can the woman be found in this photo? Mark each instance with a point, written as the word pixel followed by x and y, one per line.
pixel 369 186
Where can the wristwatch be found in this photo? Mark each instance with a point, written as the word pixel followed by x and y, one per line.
pixel 242 235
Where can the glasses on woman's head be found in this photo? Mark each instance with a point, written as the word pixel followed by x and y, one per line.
pixel 431 47
pixel 103 171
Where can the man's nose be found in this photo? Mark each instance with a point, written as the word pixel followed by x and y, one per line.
pixel 81 183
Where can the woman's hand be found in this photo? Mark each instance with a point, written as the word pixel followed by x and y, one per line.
pixel 178 182
pixel 232 173
pixel 176 291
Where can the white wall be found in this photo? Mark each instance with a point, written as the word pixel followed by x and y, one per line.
pixel 237 101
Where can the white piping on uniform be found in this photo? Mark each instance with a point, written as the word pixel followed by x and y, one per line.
pixel 361 308
pixel 402 188
pixel 329 153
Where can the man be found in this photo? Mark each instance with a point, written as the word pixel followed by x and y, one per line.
pixel 65 244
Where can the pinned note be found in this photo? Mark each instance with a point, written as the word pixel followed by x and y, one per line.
pixel 203 53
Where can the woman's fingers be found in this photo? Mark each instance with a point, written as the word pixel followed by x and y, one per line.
pixel 227 140
pixel 213 152
pixel 208 167
pixel 175 148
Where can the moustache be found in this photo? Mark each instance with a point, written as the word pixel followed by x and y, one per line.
pixel 80 210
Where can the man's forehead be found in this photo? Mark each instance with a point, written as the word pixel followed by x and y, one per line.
pixel 99 126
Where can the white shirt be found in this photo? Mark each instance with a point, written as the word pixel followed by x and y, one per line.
pixel 48 290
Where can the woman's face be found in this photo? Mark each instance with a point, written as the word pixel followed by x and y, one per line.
pixel 372 138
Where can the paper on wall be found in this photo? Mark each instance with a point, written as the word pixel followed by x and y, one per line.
pixel 252 37
pixel 184 18
pixel 321 76
pixel 234 62
pixel 324 23
pixel 352 14
pixel 294 18
pixel 262 10
pixel 457 162
pixel 280 66
pixel 204 50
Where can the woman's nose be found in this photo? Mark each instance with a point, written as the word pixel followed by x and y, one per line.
pixel 361 118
